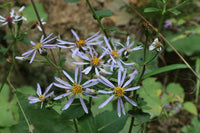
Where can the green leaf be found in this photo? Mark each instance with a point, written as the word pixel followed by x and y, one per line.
pixel 180 5
pixel 87 124
pixel 150 92
pixel 27 90
pixel 194 128
pixel 74 111
pixel 109 122
pixel 71 1
pixel 175 92
pixel 30 14
pixel 62 62
pixel 8 37
pixel 140 115
pixel 190 107
pixel 115 29
pixel 9 114
pixel 152 9
pixel 165 69
pixel 175 11
pixel 103 13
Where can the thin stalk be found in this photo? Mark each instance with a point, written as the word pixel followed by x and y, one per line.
pixel 54 65
pixel 161 20
pixel 20 106
pixel 75 125
pixel 198 82
pixel 99 21
pixel 42 27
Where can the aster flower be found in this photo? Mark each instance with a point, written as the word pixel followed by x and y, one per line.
pixel 119 91
pixel 6 20
pixel 76 88
pixel 80 44
pixel 127 49
pixel 115 56
pixel 167 24
pixel 156 45
pixel 41 97
pixel 18 14
pixel 94 61
pixel 40 46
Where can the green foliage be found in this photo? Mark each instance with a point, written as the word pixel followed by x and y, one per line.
pixel 72 1
pixel 109 122
pixel 140 115
pixel 164 69
pixel 9 114
pixel 151 93
pixel 42 120
pixel 190 107
pixel 26 90
pixel 30 14
pixel 115 29
pixel 186 42
pixel 103 13
pixel 6 4
pixel 194 128
pixel 175 11
pixel 152 9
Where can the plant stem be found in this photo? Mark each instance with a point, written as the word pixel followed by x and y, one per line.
pixel 76 126
pixel 42 27
pixel 161 20
pixel 20 106
pixel 198 82
pixel 54 65
pixel 99 21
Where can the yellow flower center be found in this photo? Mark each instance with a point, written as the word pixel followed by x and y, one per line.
pixel 118 91
pixel 95 61
pixel 80 43
pixel 38 46
pixel 158 44
pixel 41 98
pixel 114 54
pixel 77 89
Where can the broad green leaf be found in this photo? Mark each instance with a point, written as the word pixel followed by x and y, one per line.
pixel 115 29
pixel 175 11
pixel 176 92
pixel 165 69
pixel 30 14
pixel 9 114
pixel 194 128
pixel 150 92
pixel 103 13
pixel 190 107
pixel 140 115
pixel 186 41
pixel 74 111
pixel 109 122
pixel 72 1
pixel 152 9
pixel 27 90
pixel 42 120
pixel 87 124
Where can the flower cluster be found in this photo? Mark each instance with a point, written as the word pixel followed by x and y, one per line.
pixel 95 64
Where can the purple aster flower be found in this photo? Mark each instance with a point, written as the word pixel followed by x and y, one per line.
pixel 80 44
pixel 94 61
pixel 156 45
pixel 127 49
pixel 43 44
pixel 119 90
pixel 41 97
pixel 76 88
pixel 115 56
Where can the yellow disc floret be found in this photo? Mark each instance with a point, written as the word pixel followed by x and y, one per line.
pixel 80 43
pixel 158 44
pixel 95 61
pixel 77 89
pixel 38 46
pixel 114 54
pixel 41 98
pixel 118 91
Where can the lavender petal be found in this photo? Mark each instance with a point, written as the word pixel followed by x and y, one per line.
pixel 83 105
pixel 107 101
pixel 68 76
pixel 47 89
pixel 69 102
pixel 118 108
pixel 63 95
pixel 130 101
